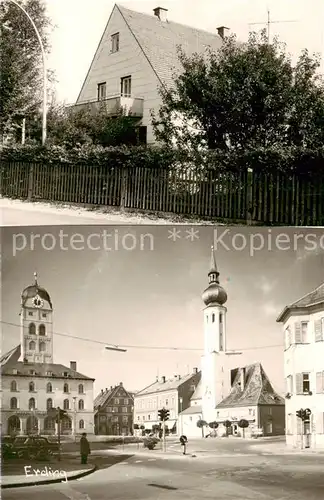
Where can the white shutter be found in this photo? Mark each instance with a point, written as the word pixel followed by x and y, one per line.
pixel 298 333
pixel 299 427
pixel 320 423
pixel 318 330
pixel 319 382
pixel 299 383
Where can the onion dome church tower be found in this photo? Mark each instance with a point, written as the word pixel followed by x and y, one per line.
pixel 213 360
pixel 36 324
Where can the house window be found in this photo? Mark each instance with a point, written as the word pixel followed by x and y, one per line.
pixel 125 419
pixel 66 404
pixel 31 387
pixel 81 424
pixel 80 388
pixel 81 404
pixel 13 386
pixel 306 384
pixel 126 86
pixel 124 409
pixel 32 404
pixel 115 42
pixel 213 318
pixel 304 332
pixel 66 388
pixel 166 402
pixel 13 404
pixel 49 387
pixel 30 313
pixel 115 409
pixel 126 401
pixel 42 346
pixel 221 341
pixel 49 404
pixel 116 401
pixel 142 139
pixel 217 414
pixel 138 418
pixel 41 330
pixel 32 329
pixel 250 411
pixel 320 382
pixel 102 89
pixel 44 315
pixel 319 330
pixel 32 346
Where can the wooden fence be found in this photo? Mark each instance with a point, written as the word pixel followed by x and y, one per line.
pixel 247 197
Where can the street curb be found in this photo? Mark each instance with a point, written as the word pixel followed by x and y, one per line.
pixel 50 481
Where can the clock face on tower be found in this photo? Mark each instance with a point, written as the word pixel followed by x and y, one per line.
pixel 38 302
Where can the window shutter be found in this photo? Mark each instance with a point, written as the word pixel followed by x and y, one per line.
pixel 298 333
pixel 299 426
pixel 318 330
pixel 299 383
pixel 320 423
pixel 319 382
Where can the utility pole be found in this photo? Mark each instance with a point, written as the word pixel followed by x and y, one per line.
pixel 268 22
pixel 59 431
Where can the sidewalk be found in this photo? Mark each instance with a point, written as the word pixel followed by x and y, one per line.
pixel 282 449
pixel 17 475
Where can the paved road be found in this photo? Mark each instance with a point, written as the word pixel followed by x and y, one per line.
pixel 223 478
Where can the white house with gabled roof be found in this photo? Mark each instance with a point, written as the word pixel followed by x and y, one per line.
pixel 303 325
pixel 137 54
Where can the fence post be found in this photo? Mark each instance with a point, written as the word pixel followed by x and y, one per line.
pixel 30 182
pixel 249 197
pixel 123 188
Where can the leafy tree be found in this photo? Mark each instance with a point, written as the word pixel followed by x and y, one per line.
pixel 243 424
pixel 241 97
pixel 227 425
pixel 213 425
pixel 21 74
pixel 201 424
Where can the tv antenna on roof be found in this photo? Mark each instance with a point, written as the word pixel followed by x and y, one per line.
pixel 268 22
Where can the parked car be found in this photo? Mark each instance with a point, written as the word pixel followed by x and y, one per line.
pixel 32 447
pixel 150 442
pixel 257 432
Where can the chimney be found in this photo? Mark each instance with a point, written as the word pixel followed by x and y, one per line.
pixel 179 377
pixel 195 370
pixel 160 12
pixel 101 391
pixel 222 31
pixel 73 365
pixel 163 380
pixel 242 379
pixel 106 389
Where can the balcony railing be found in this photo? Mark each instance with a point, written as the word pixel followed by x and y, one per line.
pixel 131 106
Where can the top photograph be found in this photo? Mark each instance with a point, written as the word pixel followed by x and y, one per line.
pixel 135 113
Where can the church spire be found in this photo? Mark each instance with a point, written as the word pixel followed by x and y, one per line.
pixel 35 277
pixel 214 293
pixel 213 272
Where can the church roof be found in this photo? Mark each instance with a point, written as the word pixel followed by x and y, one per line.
pixel 310 299
pixel 32 290
pixel 192 410
pixel 257 389
pixel 41 370
pixel 168 385
pixel 104 397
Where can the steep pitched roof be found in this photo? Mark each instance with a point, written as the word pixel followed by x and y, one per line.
pixel 40 369
pixel 11 356
pixel 257 389
pixel 192 410
pixel 159 41
pixel 198 394
pixel 104 397
pixel 168 385
pixel 310 299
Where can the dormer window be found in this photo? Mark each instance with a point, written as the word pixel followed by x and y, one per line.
pixel 48 374
pixel 14 371
pixel 65 374
pixel 115 42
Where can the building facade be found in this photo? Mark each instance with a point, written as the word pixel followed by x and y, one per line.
pixel 173 394
pixel 32 384
pixel 137 54
pixel 114 411
pixel 303 326
pixel 225 394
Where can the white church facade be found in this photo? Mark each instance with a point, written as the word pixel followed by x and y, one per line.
pixel 226 396
pixel 33 385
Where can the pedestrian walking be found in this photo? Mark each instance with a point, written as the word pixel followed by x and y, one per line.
pixel 84 448
pixel 184 441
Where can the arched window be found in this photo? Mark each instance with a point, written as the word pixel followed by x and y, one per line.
pixel 213 318
pixel 66 388
pixel 49 403
pixel 32 329
pixel 66 404
pixel 206 318
pixel 81 404
pixel 13 404
pixel 81 424
pixel 41 330
pixel 80 388
pixel 13 386
pixel 32 346
pixel 42 346
pixel 49 387
pixel 31 404
pixel 31 387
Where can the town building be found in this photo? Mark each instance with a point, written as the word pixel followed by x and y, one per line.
pixel 137 54
pixel 225 394
pixel 303 326
pixel 33 385
pixel 114 411
pixel 173 394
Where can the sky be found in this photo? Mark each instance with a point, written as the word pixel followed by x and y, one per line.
pixel 80 24
pixel 141 288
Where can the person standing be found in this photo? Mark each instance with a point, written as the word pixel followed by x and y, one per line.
pixel 84 448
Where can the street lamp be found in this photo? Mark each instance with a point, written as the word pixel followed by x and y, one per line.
pixel 44 70
pixel 115 348
pixel 75 413
pixel 181 401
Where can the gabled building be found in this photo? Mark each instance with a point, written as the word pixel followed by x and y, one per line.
pixel 173 394
pixel 32 384
pixel 137 54
pixel 113 411
pixel 303 326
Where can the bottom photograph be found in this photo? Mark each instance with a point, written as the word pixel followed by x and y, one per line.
pixel 183 362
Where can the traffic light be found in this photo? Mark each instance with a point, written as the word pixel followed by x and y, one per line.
pixel 307 414
pixel 164 414
pixel 61 413
pixel 300 413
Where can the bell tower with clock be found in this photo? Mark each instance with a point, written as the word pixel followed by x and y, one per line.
pixel 36 323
